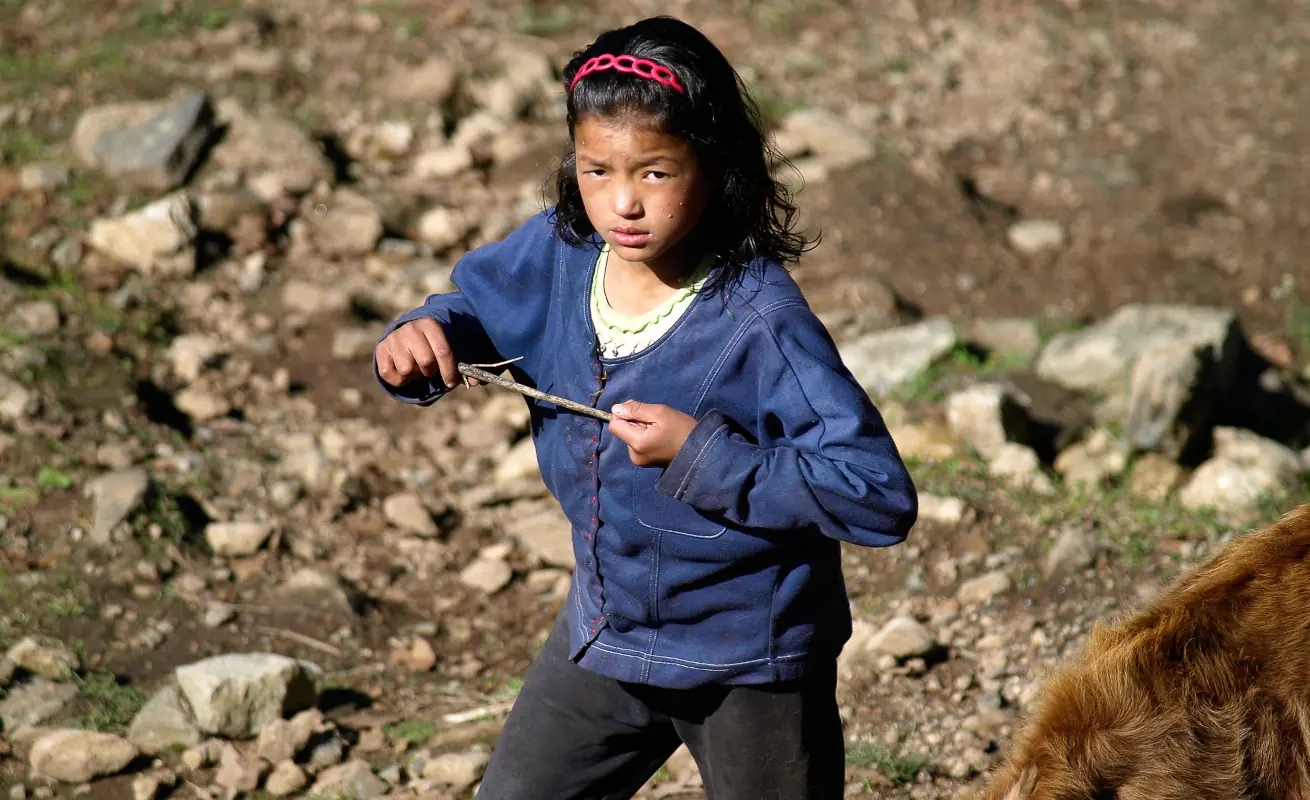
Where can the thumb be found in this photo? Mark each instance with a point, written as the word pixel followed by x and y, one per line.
pixel 623 430
pixel 628 409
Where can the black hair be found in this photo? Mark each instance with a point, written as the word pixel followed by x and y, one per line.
pixel 750 214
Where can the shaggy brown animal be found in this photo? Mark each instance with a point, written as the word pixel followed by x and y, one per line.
pixel 1203 695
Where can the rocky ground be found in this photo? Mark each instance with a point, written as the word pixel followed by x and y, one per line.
pixel 1061 248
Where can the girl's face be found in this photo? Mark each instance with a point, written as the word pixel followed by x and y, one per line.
pixel 643 191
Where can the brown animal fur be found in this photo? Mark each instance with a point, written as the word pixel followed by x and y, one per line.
pixel 1204 695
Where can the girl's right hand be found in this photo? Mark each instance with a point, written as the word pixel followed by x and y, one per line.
pixel 417 348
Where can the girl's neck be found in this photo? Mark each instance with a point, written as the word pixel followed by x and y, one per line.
pixel 634 287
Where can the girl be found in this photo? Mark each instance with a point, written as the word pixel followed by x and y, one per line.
pixel 708 605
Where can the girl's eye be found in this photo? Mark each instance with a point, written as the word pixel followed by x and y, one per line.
pixel 658 175
pixel 596 172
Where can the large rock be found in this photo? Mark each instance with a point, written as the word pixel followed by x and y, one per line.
pixel 163 724
pixel 34 702
pixel 987 416
pixel 46 657
pixel 1092 460
pixel 272 149
pixel 114 496
pixel 984 588
pixel 286 778
pixel 457 770
pixel 150 145
pixel 281 739
pixel 832 140
pixel 519 464
pixel 1020 466
pixel 157 239
pixel 238 538
pixel 36 318
pixel 548 535
pixel 903 637
pixel 1172 396
pixel 351 225
pixel 431 83
pixel 1075 549
pixel 884 360
pixel 1244 468
pixel 929 441
pixel 1013 338
pixel 76 756
pixel 319 589
pixel 525 79
pixel 238 771
pixel 190 353
pixel 17 402
pixel 1101 357
pixel 442 228
pixel 1033 236
pixel 407 512
pixel 235 695
pixel 488 575
pixel 354 778
pixel 443 162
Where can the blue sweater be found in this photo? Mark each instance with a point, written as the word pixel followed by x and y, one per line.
pixel 724 566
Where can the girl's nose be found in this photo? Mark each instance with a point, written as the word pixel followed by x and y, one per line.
pixel 627 203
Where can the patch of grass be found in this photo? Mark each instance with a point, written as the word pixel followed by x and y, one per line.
pixel 921 388
pixel 112 54
pixel 663 774
pixel 1136 548
pixel 110 706
pixel 894 766
pixel 13 497
pixel 19 146
pixel 964 476
pixel 532 22
pixel 68 595
pixel 160 508
pixel 1298 323
pixel 899 64
pixel 773 107
pixel 51 478
pixel 415 730
pixel 961 360
pixel 512 687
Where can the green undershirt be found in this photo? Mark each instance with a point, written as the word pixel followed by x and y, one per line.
pixel 621 335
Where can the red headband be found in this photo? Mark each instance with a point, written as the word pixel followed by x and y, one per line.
pixel 653 71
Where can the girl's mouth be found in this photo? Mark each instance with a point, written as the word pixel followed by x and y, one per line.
pixel 630 237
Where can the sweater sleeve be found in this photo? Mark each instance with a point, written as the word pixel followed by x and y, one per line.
pixel 832 464
pixel 498 310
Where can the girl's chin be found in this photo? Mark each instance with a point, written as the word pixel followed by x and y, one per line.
pixel 640 253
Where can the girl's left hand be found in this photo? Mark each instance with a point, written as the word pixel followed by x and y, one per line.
pixel 653 433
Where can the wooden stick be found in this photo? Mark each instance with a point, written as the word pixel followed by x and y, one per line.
pixel 474 714
pixel 469 370
pixel 301 638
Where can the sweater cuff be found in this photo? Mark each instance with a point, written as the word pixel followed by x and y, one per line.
pixel 678 475
pixel 421 391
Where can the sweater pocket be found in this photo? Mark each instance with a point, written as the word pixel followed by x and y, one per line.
pixel 656 512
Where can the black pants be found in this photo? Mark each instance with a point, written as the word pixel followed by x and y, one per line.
pixel 574 734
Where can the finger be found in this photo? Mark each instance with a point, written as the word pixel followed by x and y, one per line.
pixel 386 366
pixel 436 339
pixel 424 358
pixel 404 363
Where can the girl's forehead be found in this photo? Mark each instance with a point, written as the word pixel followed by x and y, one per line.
pixel 628 133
